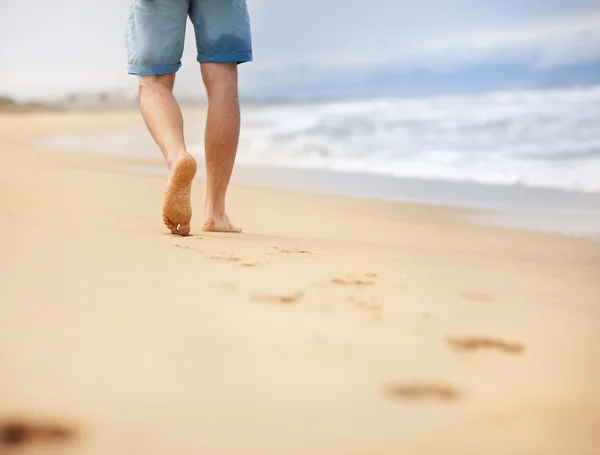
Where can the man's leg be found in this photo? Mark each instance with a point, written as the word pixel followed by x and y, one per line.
pixel 162 115
pixel 220 141
pixel 223 41
pixel 165 122
pixel 155 36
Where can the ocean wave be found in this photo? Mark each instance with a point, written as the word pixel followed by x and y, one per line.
pixel 530 138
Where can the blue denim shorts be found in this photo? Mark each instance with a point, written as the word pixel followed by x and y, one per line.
pixel 155 33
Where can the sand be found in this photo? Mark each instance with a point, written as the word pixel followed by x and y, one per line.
pixel 330 326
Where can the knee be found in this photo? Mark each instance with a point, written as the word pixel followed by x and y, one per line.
pixel 220 78
pixel 158 81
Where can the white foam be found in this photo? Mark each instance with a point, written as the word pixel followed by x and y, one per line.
pixel 535 138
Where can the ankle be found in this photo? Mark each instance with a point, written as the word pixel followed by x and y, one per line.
pixel 174 157
pixel 215 211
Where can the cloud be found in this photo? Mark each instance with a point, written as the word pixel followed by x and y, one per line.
pixel 64 45
pixel 347 43
pixel 409 35
pixel 552 42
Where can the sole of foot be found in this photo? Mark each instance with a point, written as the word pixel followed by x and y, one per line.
pixel 177 207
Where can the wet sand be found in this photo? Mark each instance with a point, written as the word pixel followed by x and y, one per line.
pixel 330 326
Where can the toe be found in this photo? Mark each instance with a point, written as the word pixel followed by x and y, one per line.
pixel 209 225
pixel 231 227
pixel 184 230
pixel 170 225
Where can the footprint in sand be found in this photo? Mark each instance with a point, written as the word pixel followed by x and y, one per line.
pixel 279 298
pixel 370 307
pixel 215 257
pixel 186 247
pixel 234 260
pixel 422 391
pixel 177 207
pixel 292 250
pixel 352 281
pixel 15 433
pixel 475 343
pixel 221 258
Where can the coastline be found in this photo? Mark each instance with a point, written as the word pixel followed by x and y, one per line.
pixel 331 325
pixel 512 206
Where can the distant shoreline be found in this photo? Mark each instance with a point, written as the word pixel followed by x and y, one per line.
pixel 543 209
pixel 128 99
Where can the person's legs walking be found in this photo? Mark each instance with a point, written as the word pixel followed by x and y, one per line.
pixel 223 41
pixel 155 39
pixel 220 141
pixel 162 114
pixel 164 120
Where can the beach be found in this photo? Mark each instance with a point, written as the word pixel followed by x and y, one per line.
pixel 331 326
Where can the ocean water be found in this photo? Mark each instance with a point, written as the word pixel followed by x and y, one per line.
pixel 527 159
pixel 545 139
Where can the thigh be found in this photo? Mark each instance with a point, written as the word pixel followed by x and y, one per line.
pixel 155 36
pixel 222 30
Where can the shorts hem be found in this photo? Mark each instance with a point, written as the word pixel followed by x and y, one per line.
pixel 155 70
pixel 225 57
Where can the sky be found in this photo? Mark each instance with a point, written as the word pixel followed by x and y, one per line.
pixel 49 48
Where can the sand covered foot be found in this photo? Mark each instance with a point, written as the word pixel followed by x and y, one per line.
pixel 177 208
pixel 219 224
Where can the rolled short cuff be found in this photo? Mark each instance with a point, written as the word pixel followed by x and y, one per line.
pixel 155 70
pixel 224 57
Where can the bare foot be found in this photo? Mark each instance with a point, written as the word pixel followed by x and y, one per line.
pixel 219 224
pixel 177 208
